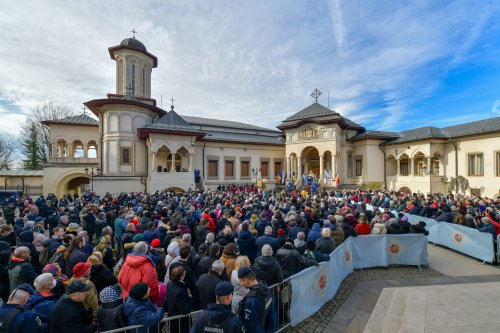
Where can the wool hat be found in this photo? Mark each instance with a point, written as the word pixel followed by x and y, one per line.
pixel 281 232
pixel 138 238
pixel 81 269
pixel 26 287
pixel 77 286
pixel 243 272
pixel 155 243
pixel 386 216
pixel 39 219
pixel 223 288
pixel 138 291
pixel 110 294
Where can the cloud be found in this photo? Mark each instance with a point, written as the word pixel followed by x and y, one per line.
pixel 496 106
pixel 255 62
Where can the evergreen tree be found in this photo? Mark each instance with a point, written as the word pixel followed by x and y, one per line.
pixel 30 147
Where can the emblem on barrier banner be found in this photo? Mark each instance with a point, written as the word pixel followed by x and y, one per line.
pixel 458 237
pixel 347 256
pixel 394 248
pixel 322 282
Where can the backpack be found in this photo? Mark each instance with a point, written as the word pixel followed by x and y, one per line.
pixel 7 320
pixel 44 256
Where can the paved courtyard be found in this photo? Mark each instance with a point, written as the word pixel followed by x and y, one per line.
pixel 359 293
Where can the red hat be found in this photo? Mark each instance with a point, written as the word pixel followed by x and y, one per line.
pixel 81 269
pixel 281 232
pixel 228 203
pixel 155 242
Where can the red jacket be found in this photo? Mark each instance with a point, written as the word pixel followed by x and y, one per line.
pixel 362 228
pixel 211 222
pixel 139 268
pixel 495 223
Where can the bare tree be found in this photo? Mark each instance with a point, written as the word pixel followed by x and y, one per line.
pixel 42 112
pixel 8 151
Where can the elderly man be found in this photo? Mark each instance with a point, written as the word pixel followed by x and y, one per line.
pixel 63 221
pixel 69 315
pixel 139 267
pixel 267 269
pixel 20 269
pixel 207 283
pixel 42 301
pixel 267 239
pixel 15 316
pixel 325 244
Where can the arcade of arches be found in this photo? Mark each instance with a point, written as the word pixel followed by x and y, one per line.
pixel 311 162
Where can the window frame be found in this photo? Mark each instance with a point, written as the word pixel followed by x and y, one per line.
pixel 481 165
pixel 360 160
pixel 226 163
pixel 123 155
pixel 216 162
pixel 247 163
pixel 407 164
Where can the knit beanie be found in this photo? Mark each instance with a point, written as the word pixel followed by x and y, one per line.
pixel 110 294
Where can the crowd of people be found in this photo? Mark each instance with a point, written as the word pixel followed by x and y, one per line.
pixel 87 263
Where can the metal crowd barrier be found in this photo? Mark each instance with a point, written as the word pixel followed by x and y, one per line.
pixel 280 309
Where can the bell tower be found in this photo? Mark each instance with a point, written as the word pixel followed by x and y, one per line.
pixel 134 65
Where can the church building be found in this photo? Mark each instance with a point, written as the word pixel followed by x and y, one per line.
pixel 136 146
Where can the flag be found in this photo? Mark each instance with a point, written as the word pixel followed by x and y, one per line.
pixel 337 179
pixel 279 177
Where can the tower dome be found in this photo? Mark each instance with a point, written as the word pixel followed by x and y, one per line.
pixel 133 43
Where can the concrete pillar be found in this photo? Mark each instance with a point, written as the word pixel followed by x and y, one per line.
pixel 53 147
pixel 299 167
pixel 288 167
pixel 69 150
pixel 172 169
pixel 398 166
pixel 270 170
pixel 321 167
pixel 190 162
pixel 85 150
pixel 153 162
pixel 411 172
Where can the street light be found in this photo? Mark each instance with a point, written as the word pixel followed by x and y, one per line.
pixel 92 173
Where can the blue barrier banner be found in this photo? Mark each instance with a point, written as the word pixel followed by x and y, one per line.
pixel 315 286
pixel 385 250
pixel 466 240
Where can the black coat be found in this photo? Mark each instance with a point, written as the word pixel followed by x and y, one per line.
pixel 178 303
pixel 76 256
pixel 206 288
pixel 291 261
pixel 110 316
pixel 102 277
pixel 267 269
pixel 70 317
pixel 246 244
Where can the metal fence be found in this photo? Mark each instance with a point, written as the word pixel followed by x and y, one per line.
pixel 279 313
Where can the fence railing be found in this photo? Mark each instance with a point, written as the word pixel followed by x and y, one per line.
pixel 279 313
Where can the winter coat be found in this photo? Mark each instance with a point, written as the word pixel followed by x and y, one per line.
pixel 338 234
pixel 178 303
pixel 142 312
pixel 111 316
pixel 362 228
pixel 267 269
pixel 378 228
pixel 314 233
pixel 102 277
pixel 266 239
pixel 20 271
pixel 139 268
pixel 76 256
pixel 217 313
pixel 206 287
pixel 41 307
pixel 253 306
pixel 239 291
pixel 325 245
pixel 246 244
pixel 38 240
pixel 229 262
pixel 70 317
pixel 24 322
pixel 291 260
pixel 395 229
pixel 293 231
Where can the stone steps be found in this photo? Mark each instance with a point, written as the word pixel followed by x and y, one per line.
pixel 395 312
pixel 378 316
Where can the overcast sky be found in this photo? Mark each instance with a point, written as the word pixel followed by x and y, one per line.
pixel 388 65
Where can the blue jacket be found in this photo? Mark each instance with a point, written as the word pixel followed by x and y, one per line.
pixel 41 308
pixel 24 322
pixel 487 228
pixel 253 310
pixel 142 312
pixel 314 233
pixel 266 239
pixel 118 227
pixel 216 314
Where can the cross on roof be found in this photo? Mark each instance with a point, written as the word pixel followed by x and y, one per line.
pixel 128 90
pixel 315 94
pixel 172 100
pixel 133 31
pixel 84 110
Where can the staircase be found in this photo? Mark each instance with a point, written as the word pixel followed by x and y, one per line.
pixel 398 310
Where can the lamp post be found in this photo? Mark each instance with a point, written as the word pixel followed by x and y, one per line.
pixel 92 173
